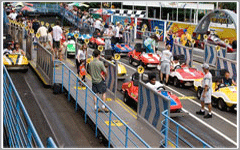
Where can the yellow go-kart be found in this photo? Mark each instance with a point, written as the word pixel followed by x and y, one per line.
pixel 122 71
pixel 15 62
pixel 223 97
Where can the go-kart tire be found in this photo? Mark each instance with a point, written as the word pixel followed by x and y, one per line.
pixel 176 82
pixel 199 92
pixel 142 64
pixel 125 97
pixel 95 46
pixel 221 104
pixel 234 44
pixel 130 60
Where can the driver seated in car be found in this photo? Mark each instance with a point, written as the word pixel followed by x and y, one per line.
pixel 175 62
pixel 227 80
pixel 8 50
pixel 153 84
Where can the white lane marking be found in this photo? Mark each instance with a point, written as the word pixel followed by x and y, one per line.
pixel 233 124
pixel 194 102
pixel 212 128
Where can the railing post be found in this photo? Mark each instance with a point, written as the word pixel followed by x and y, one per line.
pixel 62 76
pixel 29 135
pixel 69 80
pixel 86 95
pixel 177 132
pixel 126 141
pixel 109 129
pixel 166 129
pixel 96 118
pixel 76 94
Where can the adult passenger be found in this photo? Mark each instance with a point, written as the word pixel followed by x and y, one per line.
pixel 96 67
pixel 165 61
pixel 207 92
pixel 17 50
pixel 8 50
pixel 57 35
pixel 151 43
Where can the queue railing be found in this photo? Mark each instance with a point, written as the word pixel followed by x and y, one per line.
pixel 179 135
pixel 116 131
pixel 18 126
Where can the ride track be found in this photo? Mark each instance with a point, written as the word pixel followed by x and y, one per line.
pixel 219 131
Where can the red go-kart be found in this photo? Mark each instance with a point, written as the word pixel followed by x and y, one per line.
pixel 130 90
pixel 96 41
pixel 139 56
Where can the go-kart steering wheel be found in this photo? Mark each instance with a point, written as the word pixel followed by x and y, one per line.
pixel 177 67
pixel 160 88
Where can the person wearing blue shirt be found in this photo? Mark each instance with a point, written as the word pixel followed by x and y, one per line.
pixel 169 39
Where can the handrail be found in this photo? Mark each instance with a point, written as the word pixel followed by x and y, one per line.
pixel 111 112
pixel 13 120
pixel 50 143
pixel 164 113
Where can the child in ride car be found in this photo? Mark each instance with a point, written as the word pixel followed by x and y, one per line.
pixel 175 62
pixel 82 72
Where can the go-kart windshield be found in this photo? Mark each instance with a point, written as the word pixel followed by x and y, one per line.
pixel 160 88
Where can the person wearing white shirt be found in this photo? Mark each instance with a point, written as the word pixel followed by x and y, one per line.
pixel 13 15
pixel 153 84
pixel 43 35
pixel 108 33
pixel 98 24
pixel 57 35
pixel 8 50
pixel 81 56
pixel 166 60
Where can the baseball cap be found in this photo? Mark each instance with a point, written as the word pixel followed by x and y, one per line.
pixel 205 66
pixel 185 30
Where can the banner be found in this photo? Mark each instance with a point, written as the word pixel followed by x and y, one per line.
pixel 151 24
pixel 178 28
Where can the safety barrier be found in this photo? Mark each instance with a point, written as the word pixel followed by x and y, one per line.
pixel 227 64
pixel 45 63
pixel 178 49
pixel 19 128
pixel 150 105
pixel 50 143
pixel 29 46
pixel 172 130
pixel 128 37
pixel 111 80
pixel 46 8
pixel 108 123
pixel 211 54
pixel 20 36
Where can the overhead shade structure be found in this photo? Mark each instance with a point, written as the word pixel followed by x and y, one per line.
pixel 101 11
pixel 78 4
pixel 27 8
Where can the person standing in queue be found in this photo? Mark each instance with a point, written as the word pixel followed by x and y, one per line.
pixel 81 57
pixel 165 62
pixel 207 92
pixel 108 33
pixel 96 67
pixel 151 43
pixel 169 39
pixel 186 38
pixel 57 35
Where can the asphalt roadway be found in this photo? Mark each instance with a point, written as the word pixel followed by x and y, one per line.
pixel 52 115
pixel 219 131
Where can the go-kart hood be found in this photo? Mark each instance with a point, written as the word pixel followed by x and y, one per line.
pixel 189 73
pixel 150 58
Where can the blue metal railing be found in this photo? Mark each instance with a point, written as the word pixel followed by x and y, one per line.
pixel 46 8
pixel 118 136
pixel 19 128
pixel 175 134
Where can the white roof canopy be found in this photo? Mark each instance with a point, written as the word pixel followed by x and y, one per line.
pixel 170 4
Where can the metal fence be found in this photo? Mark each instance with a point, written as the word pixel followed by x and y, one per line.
pixel 179 49
pixel 45 63
pixel 19 128
pixel 172 131
pixel 150 105
pixel 29 46
pixel 118 136
pixel 20 36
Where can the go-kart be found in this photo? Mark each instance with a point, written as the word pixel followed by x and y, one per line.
pixel 122 48
pixel 94 42
pixel 15 62
pixel 122 71
pixel 224 97
pixel 71 47
pixel 130 90
pixel 139 56
pixel 215 40
pixel 82 37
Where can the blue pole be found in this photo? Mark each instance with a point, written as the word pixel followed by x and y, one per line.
pixel 166 130
pixel 109 127
pixel 76 95
pixel 177 135
pixel 126 142
pixel 69 80
pixel 96 119
pixel 62 76
pixel 86 94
